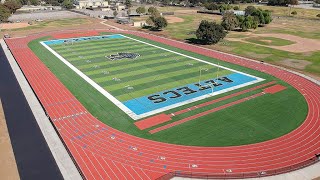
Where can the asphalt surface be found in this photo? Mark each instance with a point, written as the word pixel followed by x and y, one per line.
pixel 32 154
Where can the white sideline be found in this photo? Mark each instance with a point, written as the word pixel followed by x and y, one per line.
pixel 59 152
pixel 128 111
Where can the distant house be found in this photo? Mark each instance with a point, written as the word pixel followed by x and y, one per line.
pixel 83 4
pixel 235 12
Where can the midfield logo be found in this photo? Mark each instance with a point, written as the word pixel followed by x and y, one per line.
pixel 122 55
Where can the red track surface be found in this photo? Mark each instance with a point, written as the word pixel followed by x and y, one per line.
pixel 152 121
pixel 72 35
pixel 102 152
pixel 274 89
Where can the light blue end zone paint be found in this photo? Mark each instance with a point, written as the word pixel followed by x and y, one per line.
pixel 61 41
pixel 142 105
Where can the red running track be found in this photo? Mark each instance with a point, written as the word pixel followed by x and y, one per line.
pixel 102 152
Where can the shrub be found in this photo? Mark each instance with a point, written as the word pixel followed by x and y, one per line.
pixel 318 15
pixel 294 13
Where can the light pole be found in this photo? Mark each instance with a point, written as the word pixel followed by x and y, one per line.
pixel 211 85
pixel 200 69
pixel 218 71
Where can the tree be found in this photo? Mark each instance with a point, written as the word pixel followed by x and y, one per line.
pixel 224 7
pixel 267 16
pixel 230 21
pixel 250 10
pixel 150 21
pixel 153 10
pixel 4 13
pixel 67 4
pixel 141 10
pixel 166 2
pixel 128 3
pixel 55 3
pixel 247 23
pixel 12 5
pixel 115 13
pixel 292 3
pixel 211 6
pixel 236 8
pixel 160 22
pixel 317 1
pixel 23 2
pixel 210 32
pixel 34 2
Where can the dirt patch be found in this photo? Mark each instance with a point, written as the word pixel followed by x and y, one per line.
pixel 266 40
pixel 14 25
pixel 189 11
pixel 301 44
pixel 173 19
pixel 255 55
pixel 8 166
pixel 297 64
pixel 91 23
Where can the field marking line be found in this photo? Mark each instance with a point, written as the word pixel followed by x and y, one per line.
pixel 268 90
pixel 167 126
pixel 92 83
pixel 223 98
pixel 128 111
pixel 66 165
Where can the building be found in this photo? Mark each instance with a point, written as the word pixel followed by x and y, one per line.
pixel 237 13
pixel 83 4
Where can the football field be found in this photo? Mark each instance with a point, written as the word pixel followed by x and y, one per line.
pixel 143 79
pixel 124 80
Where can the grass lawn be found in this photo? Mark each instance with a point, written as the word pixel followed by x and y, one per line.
pixel 54 23
pixel 257 120
pixel 272 55
pixel 304 24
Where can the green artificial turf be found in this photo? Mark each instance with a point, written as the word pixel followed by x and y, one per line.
pixel 153 71
pixel 260 119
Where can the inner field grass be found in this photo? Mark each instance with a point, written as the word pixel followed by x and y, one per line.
pixel 253 121
pixel 153 71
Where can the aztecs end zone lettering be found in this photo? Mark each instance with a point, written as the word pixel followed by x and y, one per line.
pixel 158 98
pixel 171 98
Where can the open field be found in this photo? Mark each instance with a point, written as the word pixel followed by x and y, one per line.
pixel 281 51
pixel 237 124
pixel 82 22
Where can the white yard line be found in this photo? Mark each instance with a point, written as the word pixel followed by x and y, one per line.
pixel 128 111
